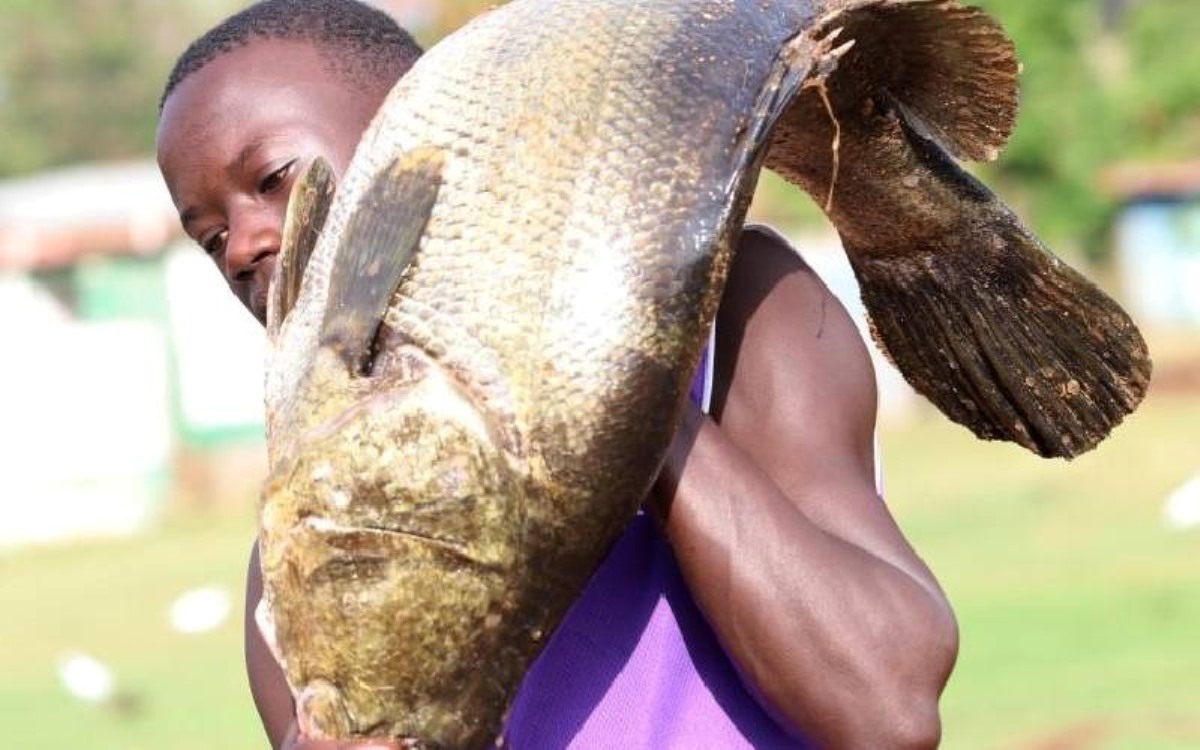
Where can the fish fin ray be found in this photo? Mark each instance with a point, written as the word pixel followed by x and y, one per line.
pixel 951 69
pixel 377 247
pixel 308 207
pixel 1002 336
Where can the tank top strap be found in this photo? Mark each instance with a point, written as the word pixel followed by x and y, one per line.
pixel 702 383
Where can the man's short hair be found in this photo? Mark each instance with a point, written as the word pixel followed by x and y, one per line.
pixel 363 43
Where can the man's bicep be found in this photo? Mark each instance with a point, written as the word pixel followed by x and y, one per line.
pixel 802 403
pixel 268 686
pixel 801 394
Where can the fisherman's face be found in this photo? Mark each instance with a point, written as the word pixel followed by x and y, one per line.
pixel 235 135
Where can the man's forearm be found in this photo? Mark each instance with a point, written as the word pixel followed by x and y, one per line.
pixel 836 642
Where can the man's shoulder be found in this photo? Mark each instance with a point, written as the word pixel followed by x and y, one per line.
pixel 779 328
pixel 764 238
pixel 764 259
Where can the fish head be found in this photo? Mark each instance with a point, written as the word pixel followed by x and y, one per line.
pixel 409 478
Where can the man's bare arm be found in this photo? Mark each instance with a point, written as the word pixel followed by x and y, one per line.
pixel 836 625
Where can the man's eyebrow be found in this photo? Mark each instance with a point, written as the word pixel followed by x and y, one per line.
pixel 252 147
pixel 188 215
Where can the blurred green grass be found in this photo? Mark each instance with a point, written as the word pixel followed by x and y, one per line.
pixel 1078 607
pixel 111 600
pixel 1079 610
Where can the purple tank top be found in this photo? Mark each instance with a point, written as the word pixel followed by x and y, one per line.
pixel 634 665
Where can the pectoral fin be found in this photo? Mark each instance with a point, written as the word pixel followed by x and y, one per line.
pixel 379 243
pixel 307 209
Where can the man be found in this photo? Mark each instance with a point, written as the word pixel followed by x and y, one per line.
pixel 806 618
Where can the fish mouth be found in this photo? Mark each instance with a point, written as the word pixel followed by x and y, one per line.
pixel 372 542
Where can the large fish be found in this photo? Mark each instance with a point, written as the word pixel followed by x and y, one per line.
pixel 480 346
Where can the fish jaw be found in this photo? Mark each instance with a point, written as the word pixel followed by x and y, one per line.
pixel 390 537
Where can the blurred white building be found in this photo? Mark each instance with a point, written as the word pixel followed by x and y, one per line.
pixel 122 352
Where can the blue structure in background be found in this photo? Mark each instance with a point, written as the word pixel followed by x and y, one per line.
pixel 1158 242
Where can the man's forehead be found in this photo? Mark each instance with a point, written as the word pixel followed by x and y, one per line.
pixel 218 102
pixel 261 91
pixel 259 77
pixel 253 70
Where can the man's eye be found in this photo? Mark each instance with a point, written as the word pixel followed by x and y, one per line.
pixel 274 181
pixel 215 243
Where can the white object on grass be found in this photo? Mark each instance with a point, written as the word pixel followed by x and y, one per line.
pixel 201 610
pixel 86 678
pixel 1181 511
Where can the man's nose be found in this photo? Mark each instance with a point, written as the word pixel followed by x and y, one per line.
pixel 255 239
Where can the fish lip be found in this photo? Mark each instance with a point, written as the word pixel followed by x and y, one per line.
pixel 387 537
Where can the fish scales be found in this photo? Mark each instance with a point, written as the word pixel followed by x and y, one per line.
pixel 564 282
pixel 462 421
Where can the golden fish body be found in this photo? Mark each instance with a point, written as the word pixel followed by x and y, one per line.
pixel 478 356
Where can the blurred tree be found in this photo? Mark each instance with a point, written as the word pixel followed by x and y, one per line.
pixel 80 79
pixel 1104 81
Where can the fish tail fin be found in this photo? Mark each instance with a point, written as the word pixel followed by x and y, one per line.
pixel 1005 338
pixel 308 207
pixel 978 316
pixel 951 68
pixel 376 248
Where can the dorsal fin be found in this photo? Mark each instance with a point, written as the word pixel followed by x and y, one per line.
pixel 379 242
pixel 307 209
